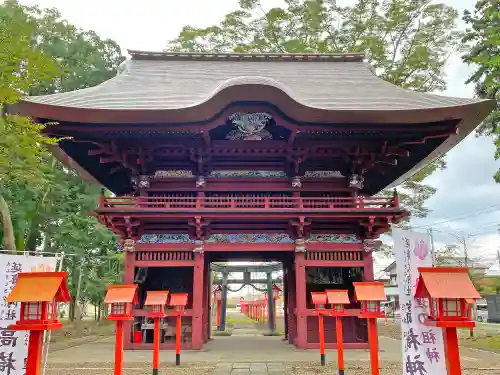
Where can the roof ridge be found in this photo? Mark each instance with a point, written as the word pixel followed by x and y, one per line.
pixel 235 56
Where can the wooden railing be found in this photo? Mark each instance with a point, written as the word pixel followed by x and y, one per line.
pixel 248 203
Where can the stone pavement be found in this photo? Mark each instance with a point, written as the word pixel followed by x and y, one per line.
pixel 250 368
pixel 247 352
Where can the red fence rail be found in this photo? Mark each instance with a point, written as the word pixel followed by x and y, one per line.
pixel 246 203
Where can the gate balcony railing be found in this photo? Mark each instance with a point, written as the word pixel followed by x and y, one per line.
pixel 248 203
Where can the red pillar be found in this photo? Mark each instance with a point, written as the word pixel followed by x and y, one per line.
pixel 452 351
pixel 292 321
pixel 156 347
pixel 128 278
pixel 340 345
pixel 321 339
pixel 300 299
pixel 197 318
pixel 35 346
pixel 119 348
pixel 218 312
pixel 178 335
pixel 373 340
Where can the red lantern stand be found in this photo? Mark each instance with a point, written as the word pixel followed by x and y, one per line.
pixel 337 299
pixel 120 298
pixel 370 294
pixel 450 295
pixel 218 299
pixel 38 293
pixel 179 302
pixel 276 296
pixel 156 302
pixel 319 302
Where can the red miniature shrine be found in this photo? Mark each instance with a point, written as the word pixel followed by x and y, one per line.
pixel 120 298
pixel 39 294
pixel 179 302
pixel 337 299
pixel 370 294
pixel 156 303
pixel 449 292
pixel 319 301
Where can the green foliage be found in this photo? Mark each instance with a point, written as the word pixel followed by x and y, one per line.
pixel 44 205
pixel 407 41
pixel 483 35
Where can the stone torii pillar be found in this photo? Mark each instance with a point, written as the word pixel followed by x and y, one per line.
pixel 270 303
pixel 222 324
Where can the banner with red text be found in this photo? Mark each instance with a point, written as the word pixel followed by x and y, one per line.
pixel 423 348
pixel 14 344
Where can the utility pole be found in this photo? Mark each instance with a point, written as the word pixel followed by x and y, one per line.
pixel 433 250
pixel 498 250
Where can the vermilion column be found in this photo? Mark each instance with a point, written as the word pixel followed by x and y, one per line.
pixel 119 348
pixel 156 346
pixel 197 318
pixel 300 300
pixel 373 340
pixel 452 351
pixel 340 345
pixel 128 278
pixel 34 359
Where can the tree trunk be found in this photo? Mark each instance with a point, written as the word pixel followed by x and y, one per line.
pixel 9 239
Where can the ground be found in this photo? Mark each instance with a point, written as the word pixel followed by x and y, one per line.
pixel 248 352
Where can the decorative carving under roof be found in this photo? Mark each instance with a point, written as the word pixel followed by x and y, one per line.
pixel 250 238
pixel 244 174
pixel 250 126
pixel 323 174
pixel 175 173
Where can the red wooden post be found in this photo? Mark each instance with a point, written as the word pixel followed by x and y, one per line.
pixel 373 341
pixel 119 348
pixel 218 312
pixel 178 334
pixel 319 301
pixel 321 339
pixel 300 298
pixel 452 351
pixel 197 322
pixel 179 302
pixel 340 345
pixel 35 347
pixel 156 349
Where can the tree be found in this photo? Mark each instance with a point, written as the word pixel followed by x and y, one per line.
pixel 54 56
pixel 44 205
pixel 407 41
pixel 22 66
pixel 483 35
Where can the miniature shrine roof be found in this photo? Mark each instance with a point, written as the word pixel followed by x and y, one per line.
pixel 338 297
pixel 121 294
pixel 446 282
pixel 369 291
pixel 178 299
pixel 318 298
pixel 156 298
pixel 40 287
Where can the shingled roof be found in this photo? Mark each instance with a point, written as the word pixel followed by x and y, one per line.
pixel 152 81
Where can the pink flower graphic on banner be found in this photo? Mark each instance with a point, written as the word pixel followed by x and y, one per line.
pixel 421 250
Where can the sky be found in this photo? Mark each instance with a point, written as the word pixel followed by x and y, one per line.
pixel 467 198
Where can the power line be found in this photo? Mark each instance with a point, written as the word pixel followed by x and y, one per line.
pixel 466 215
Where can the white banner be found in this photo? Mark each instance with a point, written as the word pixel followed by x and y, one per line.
pixel 423 349
pixel 14 344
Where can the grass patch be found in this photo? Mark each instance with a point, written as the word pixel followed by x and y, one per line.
pixel 222 333
pixel 84 328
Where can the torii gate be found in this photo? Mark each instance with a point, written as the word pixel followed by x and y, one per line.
pixel 247 271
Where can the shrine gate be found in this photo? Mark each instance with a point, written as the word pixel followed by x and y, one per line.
pixel 262 157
